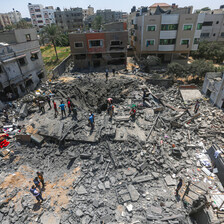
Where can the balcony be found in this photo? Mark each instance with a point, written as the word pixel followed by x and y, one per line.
pixel 167 47
pixel 168 34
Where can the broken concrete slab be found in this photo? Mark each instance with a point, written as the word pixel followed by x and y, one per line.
pixel 141 179
pixel 170 181
pixel 37 138
pixel 129 171
pixel 23 111
pixel 81 190
pixel 23 138
pixel 190 93
pixel 48 217
pixel 121 135
pixel 133 193
pixel 122 118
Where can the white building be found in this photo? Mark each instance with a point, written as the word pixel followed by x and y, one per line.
pixel 15 16
pixel 41 16
pixel 88 12
pixel 21 64
pixel 213 88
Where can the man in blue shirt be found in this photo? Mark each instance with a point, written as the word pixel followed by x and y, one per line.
pixel 91 120
pixel 62 106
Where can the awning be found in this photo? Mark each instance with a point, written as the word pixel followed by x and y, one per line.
pixel 21 56
pixel 34 52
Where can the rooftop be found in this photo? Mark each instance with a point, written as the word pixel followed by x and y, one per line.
pixel 160 5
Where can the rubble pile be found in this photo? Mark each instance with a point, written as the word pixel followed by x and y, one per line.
pixel 123 171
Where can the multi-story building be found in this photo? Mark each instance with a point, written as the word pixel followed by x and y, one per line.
pixel 41 16
pixel 15 16
pixel 21 64
pixel 4 20
pixel 170 35
pixel 213 28
pixel 99 50
pixel 109 16
pixel 88 12
pixel 69 19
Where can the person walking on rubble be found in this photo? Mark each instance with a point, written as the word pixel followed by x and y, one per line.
pixel 41 103
pixel 111 110
pixel 36 192
pixel 107 73
pixel 179 185
pixel 55 109
pixel 41 178
pixel 74 110
pixel 49 101
pixel 113 70
pixel 36 182
pixel 62 106
pixel 196 107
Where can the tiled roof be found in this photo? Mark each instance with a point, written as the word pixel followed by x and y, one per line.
pixel 159 4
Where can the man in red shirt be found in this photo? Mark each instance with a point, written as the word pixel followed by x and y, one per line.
pixel 69 106
pixel 55 109
pixel 133 113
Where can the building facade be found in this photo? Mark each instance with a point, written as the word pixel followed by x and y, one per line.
pixel 109 16
pixel 69 19
pixel 4 20
pixel 21 64
pixel 87 12
pixel 15 16
pixel 41 16
pixel 170 36
pixel 213 28
pixel 99 50
pixel 213 88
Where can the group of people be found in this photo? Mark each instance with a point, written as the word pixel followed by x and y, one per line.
pixel 36 189
pixel 62 106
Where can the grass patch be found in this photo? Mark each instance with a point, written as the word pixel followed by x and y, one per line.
pixel 49 56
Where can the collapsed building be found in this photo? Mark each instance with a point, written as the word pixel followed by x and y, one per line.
pixel 213 88
pixel 21 64
pixel 99 50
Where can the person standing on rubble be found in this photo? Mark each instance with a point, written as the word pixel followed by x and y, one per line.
pixel 179 185
pixel 91 120
pixel 111 110
pixel 196 107
pixel 36 182
pixel 133 113
pixel 49 101
pixel 55 109
pixel 113 70
pixel 69 105
pixel 144 96
pixel 62 106
pixel 74 110
pixel 41 103
pixel 107 73
pixel 41 178
pixel 36 192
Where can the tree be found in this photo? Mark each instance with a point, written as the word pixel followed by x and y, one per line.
pixel 97 22
pixel 205 9
pixel 176 69
pixel 201 67
pixel 22 24
pixel 150 61
pixel 52 34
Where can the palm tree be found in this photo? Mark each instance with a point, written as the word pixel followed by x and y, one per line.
pixel 52 34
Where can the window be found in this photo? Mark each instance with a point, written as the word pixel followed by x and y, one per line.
pixel 169 26
pixel 204 34
pixel 199 26
pixel 40 21
pixel 34 57
pixel 196 40
pixel 207 23
pixel 185 42
pixel 150 42
pixel 22 61
pixel 115 42
pixel 28 38
pixel 213 34
pixel 80 56
pixel 37 10
pixel 188 27
pixel 151 28
pixel 1 71
pixel 217 22
pixel 96 43
pixel 78 44
pixel 39 16
pixel 167 41
pixel 222 34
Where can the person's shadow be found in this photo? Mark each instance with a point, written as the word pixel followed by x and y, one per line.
pixel 36 206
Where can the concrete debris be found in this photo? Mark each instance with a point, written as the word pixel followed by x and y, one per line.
pixel 123 170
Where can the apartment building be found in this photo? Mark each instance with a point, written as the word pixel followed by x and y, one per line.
pixel 88 12
pixel 69 19
pixel 111 16
pixel 15 16
pixel 4 20
pixel 21 64
pixel 97 51
pixel 170 35
pixel 41 16
pixel 213 26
